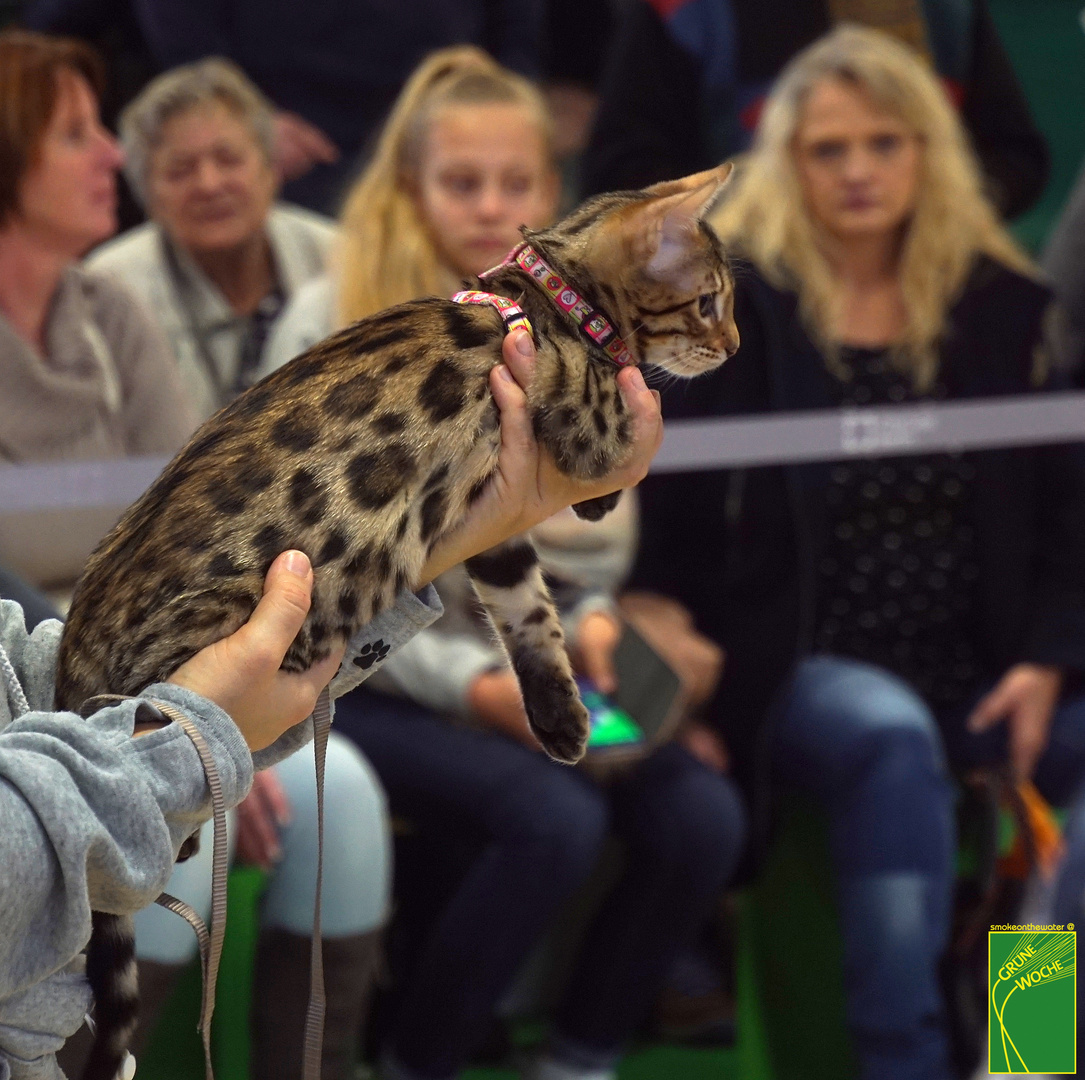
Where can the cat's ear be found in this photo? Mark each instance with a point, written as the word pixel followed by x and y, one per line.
pixel 693 182
pixel 674 219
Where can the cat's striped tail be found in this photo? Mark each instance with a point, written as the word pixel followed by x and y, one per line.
pixel 111 972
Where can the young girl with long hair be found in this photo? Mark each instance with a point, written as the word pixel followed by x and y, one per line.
pixel 464 161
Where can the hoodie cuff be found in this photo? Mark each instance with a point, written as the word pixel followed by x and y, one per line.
pixel 366 651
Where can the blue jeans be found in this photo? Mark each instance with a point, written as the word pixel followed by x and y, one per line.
pixel 870 750
pixel 542 826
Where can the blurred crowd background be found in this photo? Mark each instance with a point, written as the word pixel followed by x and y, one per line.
pixel 880 660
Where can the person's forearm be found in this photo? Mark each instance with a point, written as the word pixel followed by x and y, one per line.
pixel 436 669
pixel 457 547
pixel 66 770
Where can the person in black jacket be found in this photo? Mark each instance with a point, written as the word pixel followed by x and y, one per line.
pixel 685 81
pixel 880 614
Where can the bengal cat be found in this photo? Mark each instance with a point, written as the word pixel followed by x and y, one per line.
pixel 369 448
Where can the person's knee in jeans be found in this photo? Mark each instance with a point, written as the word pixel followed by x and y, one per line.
pixel 357 846
pixel 559 815
pixel 545 828
pixel 868 747
pixel 695 828
pixel 683 827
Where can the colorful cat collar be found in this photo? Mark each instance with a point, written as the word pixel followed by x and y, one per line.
pixel 512 315
pixel 593 323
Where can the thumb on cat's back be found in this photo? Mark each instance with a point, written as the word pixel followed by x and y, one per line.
pixel 645 407
pixel 288 590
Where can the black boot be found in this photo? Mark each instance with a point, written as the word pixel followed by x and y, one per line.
pixel 280 995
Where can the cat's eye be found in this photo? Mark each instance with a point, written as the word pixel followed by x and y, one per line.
pixel 706 304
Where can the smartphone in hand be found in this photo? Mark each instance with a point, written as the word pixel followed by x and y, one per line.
pixel 645 709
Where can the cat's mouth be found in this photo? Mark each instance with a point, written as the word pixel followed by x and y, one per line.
pixel 691 362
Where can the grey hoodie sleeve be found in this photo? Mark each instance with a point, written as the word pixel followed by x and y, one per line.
pixel 92 817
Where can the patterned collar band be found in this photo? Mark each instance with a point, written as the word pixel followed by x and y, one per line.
pixel 512 315
pixel 592 322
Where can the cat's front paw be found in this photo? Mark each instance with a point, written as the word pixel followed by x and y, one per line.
pixel 567 738
pixel 554 710
pixel 594 509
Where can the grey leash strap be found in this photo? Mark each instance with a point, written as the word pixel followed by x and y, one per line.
pixel 210 942
pixel 314 1017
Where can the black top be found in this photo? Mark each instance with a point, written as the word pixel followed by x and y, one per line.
pixel 896 578
pixel 741 548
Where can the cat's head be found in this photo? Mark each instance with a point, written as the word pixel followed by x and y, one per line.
pixel 650 261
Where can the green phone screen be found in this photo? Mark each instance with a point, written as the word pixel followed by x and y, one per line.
pixel 610 726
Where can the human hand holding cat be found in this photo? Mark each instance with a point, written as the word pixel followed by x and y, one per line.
pixel 241 672
pixel 528 487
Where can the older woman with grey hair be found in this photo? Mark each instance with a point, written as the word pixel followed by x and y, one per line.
pixel 219 258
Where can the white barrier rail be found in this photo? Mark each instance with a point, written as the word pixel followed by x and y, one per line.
pixel 776 439
pixel 833 434
pixel 76 485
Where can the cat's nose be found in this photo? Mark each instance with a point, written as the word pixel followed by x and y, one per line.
pixel 731 341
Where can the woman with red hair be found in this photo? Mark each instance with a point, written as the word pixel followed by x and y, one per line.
pixel 85 373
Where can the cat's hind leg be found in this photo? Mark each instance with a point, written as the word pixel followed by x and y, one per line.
pixel 510 585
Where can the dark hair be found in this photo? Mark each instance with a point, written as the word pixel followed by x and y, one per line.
pixel 30 68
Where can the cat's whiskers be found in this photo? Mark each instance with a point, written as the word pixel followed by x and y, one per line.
pixel 659 378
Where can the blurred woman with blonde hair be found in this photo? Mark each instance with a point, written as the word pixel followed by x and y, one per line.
pixel 465 161
pixel 886 612
pixel 931 237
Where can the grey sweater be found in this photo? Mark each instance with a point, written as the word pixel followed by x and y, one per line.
pixel 107 387
pixel 92 819
pixel 191 309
